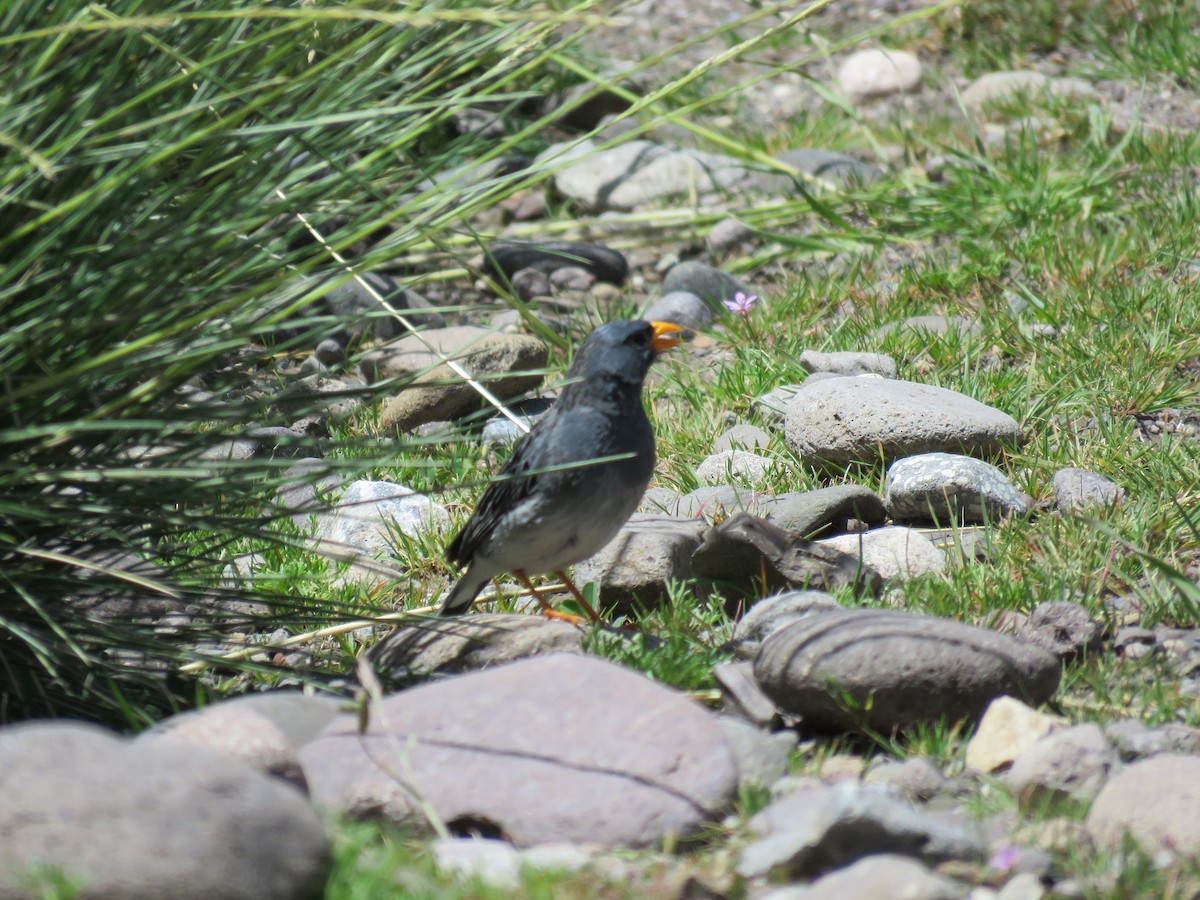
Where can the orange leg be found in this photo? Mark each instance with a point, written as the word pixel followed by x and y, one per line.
pixel 549 611
pixel 587 607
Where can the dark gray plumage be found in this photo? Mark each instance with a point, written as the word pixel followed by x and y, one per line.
pixel 530 524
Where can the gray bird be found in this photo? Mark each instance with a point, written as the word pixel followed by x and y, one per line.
pixel 553 504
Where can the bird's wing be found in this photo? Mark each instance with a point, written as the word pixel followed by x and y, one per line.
pixel 511 486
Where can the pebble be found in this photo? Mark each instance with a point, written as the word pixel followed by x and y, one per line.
pixel 811 831
pixel 897 554
pixel 727 236
pixel 997 89
pixel 1065 629
pixel 844 420
pixel 899 668
pixel 883 876
pixel 848 363
pixel 684 308
pixel 368 512
pixel 531 284
pixel 711 285
pixel 1155 800
pixel 734 466
pixel 949 488
pixel 1007 729
pixel 742 437
pixel 550 749
pixel 869 74
pixel 1078 489
pixel 1069 763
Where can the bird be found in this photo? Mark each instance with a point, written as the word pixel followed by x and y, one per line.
pixel 575 478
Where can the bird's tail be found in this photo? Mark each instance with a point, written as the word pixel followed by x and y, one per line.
pixel 463 594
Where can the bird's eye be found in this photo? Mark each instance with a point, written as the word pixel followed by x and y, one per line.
pixel 639 338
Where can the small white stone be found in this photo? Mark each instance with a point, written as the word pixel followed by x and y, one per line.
pixel 879 73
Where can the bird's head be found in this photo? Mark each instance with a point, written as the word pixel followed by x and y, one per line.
pixel 622 351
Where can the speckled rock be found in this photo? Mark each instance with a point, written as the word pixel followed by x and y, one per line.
pixel 734 467
pixel 1081 489
pixel 362 519
pixel 948 487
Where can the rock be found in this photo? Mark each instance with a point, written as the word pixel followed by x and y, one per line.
pixel 683 308
pixel 916 778
pixel 933 326
pixel 633 570
pixel 637 172
pixel 809 514
pixel 741 437
pixel 149 818
pixel 1007 88
pixel 549 257
pixel 762 757
pixel 1008 728
pixel 501 431
pixel 883 876
pixel 895 553
pixel 554 748
pixel 711 285
pixel 359 312
pixel 495 863
pixel 741 695
pixel 584 106
pixel 828 166
pixel 1081 489
pixel 770 614
pixel 245 730
pixel 531 284
pixel 572 278
pixel 1070 763
pixel 1155 801
pixel 896 669
pixel 746 548
pixel 844 420
pixel 368 512
pixel 660 501
pixel 868 74
pixel 430 390
pixel 811 831
pixel 1133 740
pixel 734 466
pixel 1065 629
pixel 848 363
pixel 442 646
pixel 772 406
pixel 727 235
pixel 714 504
pixel 302 486
pixel 948 488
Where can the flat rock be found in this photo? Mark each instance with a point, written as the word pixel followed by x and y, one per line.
pixel 1070 763
pixel 868 74
pixel 556 748
pixel 1065 629
pixel 896 553
pixel 429 390
pixel 1008 728
pixel 734 467
pixel 605 264
pixel 848 363
pixel 684 308
pixel 150 819
pixel 744 547
pixel 882 876
pixel 636 173
pixel 825 511
pixel 950 488
pixel 770 614
pixel 1155 801
pixel 707 283
pixel 1080 489
pixel 741 437
pixel 368 512
pixel 844 420
pixel 442 646
pixel 741 696
pixel 824 827
pixel 634 568
pixel 896 668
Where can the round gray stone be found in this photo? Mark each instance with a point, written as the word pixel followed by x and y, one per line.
pixel 848 363
pixel 844 420
pixel 704 281
pixel 1155 801
pixel 907 668
pixel 683 308
pixel 1081 489
pixel 948 487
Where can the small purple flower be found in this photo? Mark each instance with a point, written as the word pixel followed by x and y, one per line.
pixel 1005 858
pixel 741 303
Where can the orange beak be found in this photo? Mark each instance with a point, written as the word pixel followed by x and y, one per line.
pixel 664 336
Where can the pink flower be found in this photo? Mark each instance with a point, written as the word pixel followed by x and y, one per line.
pixel 741 303
pixel 1005 858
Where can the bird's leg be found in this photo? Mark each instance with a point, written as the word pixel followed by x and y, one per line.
pixel 587 607
pixel 547 610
